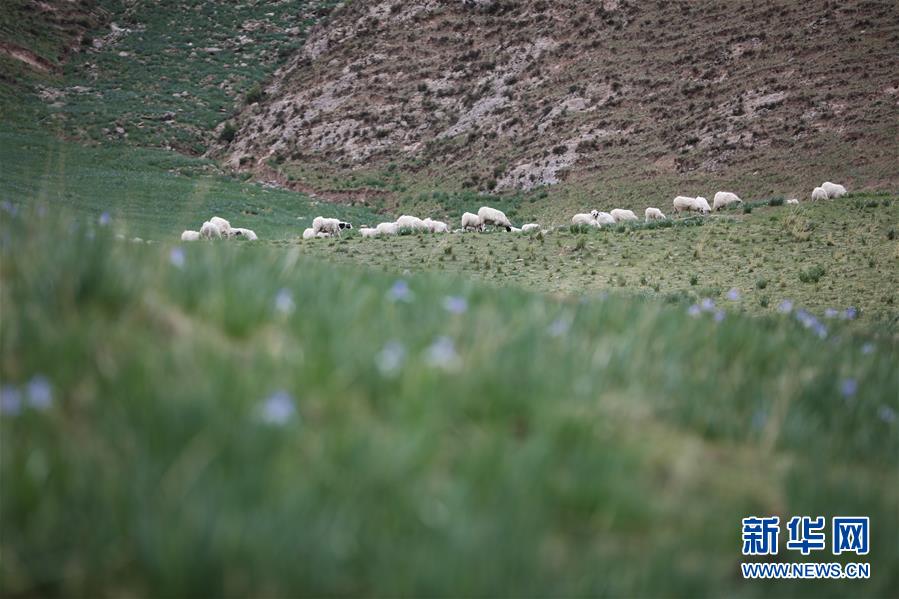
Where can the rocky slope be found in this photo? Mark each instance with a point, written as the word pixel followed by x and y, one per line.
pixel 512 95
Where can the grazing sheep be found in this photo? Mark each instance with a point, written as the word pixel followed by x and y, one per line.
pixel 411 222
pixel 604 218
pixel 436 226
pixel 210 231
pixel 321 224
pixel 368 231
pixel 703 204
pixel 792 202
pixel 472 221
pixel 247 234
pixel 685 204
pixel 492 216
pixel 833 190
pixel 725 198
pixel 620 214
pixel 819 193
pixel 388 229
pixel 653 214
pixel 515 230
pixel 223 225
pixel 190 236
pixel 529 227
pixel 582 218
pixel 309 233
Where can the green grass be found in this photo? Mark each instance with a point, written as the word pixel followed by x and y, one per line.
pixel 551 447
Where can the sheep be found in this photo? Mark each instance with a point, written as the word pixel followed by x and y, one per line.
pixel 653 214
pixel 321 224
pixel 699 204
pixel 725 198
pixel 309 233
pixel 223 225
pixel 515 230
pixel 792 202
pixel 492 216
pixel 472 221
pixel 819 193
pixel 368 231
pixel 210 231
pixel 247 234
pixel 833 190
pixel 620 215
pixel 388 229
pixel 604 218
pixel 436 226
pixel 529 227
pixel 411 222
pixel 190 236
pixel 584 219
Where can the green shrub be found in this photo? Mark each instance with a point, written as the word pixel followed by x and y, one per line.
pixel 811 275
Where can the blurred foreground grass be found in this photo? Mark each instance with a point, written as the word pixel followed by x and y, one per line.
pixel 233 419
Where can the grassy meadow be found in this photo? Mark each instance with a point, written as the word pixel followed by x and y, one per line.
pixel 575 413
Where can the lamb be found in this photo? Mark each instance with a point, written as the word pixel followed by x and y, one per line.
pixel 210 231
pixel 792 202
pixel 492 216
pixel 388 229
pixel 833 190
pixel 515 230
pixel 653 214
pixel 819 193
pixel 725 198
pixel 685 204
pixel 582 218
pixel 472 221
pixel 529 227
pixel 620 214
pixel 309 233
pixel 223 225
pixel 368 231
pixel 190 236
pixel 247 234
pixel 604 218
pixel 436 226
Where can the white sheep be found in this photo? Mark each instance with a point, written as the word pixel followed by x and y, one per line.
pixel 388 229
pixel 703 204
pixel 792 202
pixel 190 236
pixel 223 225
pixel 819 193
pixel 604 218
pixel 247 234
pixel 514 230
pixel 321 224
pixel 653 214
pixel 436 226
pixel 411 222
pixel 620 214
pixel 833 190
pixel 582 218
pixel 210 231
pixel 472 221
pixel 492 216
pixel 309 233
pixel 368 231
pixel 725 198
pixel 686 204
pixel 529 227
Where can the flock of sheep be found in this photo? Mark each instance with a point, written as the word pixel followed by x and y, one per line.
pixel 218 228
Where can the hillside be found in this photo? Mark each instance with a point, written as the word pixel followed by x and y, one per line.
pixel 772 96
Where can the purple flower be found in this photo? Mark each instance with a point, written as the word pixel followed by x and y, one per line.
pixel 707 304
pixel 887 414
pixel 176 257
pixel 442 354
pixel 455 304
pixel 9 207
pixel 105 219
pixel 734 294
pixel 284 302
pixel 830 313
pixel 849 387
pixel 694 310
pixel 868 348
pixel 400 292
pixel 559 327
pixel 820 330
pixel 391 358
pixel 759 419
pixel 10 400
pixel 277 408
pixel 785 307
pixel 719 315
pixel 39 392
pixel 850 313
